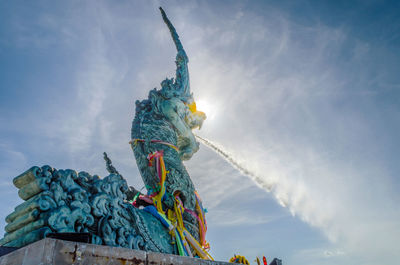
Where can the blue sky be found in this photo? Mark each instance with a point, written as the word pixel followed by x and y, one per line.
pixel 305 94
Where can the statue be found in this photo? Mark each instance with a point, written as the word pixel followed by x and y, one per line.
pixel 168 219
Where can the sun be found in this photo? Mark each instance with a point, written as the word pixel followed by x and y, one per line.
pixel 208 108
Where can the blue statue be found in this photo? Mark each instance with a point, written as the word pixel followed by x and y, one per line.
pixel 169 218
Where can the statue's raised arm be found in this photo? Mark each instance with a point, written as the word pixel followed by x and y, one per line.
pixel 174 35
pixel 181 84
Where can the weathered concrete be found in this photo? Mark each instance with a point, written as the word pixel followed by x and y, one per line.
pixel 167 259
pixel 59 252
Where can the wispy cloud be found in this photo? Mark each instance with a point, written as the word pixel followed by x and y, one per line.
pixel 281 108
pixel 235 216
pixel 296 104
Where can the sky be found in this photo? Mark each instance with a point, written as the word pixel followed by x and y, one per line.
pixel 305 95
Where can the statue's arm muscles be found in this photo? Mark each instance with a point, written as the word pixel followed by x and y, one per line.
pixel 182 72
pixel 187 142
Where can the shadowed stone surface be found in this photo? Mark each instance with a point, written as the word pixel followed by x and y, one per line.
pixel 50 251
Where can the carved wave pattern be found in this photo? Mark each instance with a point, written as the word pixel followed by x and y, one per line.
pixel 79 202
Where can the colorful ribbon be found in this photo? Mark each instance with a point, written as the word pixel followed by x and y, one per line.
pixel 174 221
pixel 134 141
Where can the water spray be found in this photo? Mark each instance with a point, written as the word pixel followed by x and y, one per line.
pixel 237 165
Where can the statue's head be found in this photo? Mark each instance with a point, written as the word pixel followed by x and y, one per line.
pixel 195 118
pixel 167 89
pixel 171 89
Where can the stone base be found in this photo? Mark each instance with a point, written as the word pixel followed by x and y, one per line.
pixel 50 251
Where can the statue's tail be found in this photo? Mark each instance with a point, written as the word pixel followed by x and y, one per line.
pixel 110 168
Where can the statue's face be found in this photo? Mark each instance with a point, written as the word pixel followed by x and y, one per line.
pixel 195 118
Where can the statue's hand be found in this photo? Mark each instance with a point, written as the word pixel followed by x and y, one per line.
pixel 182 142
pixel 196 119
pixel 187 147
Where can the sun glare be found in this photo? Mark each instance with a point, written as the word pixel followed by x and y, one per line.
pixel 207 108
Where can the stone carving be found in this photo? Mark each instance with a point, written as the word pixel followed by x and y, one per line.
pixel 67 201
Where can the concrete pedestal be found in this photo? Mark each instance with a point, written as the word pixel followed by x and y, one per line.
pixel 50 251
